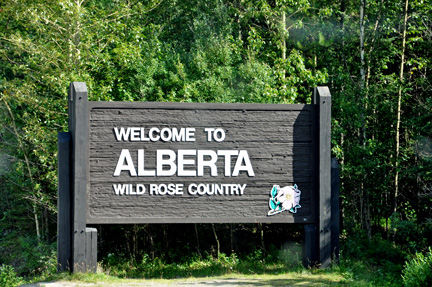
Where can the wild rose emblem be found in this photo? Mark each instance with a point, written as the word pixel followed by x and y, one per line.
pixel 285 198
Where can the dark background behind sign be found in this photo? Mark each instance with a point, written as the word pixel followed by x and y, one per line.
pixel 279 140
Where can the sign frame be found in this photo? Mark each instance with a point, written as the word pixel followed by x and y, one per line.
pixel 74 174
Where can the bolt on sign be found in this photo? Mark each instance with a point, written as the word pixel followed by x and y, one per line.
pixel 148 162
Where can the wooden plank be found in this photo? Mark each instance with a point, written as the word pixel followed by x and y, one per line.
pixel 310 246
pixel 63 204
pixel 335 209
pixel 91 250
pixel 78 127
pixel 198 106
pixel 322 99
pixel 180 220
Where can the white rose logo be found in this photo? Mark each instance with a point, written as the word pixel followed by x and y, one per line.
pixel 285 198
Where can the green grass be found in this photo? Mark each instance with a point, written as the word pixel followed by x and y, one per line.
pixel 300 277
pixel 229 270
pixel 364 267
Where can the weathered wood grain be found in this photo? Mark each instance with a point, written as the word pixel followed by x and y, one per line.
pixel 78 128
pixel 322 99
pixel 279 142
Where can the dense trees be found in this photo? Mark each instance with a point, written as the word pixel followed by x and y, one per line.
pixel 374 55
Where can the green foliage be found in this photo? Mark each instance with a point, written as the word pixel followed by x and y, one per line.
pixel 291 255
pixel 221 51
pixel 418 270
pixel 8 277
pixel 360 255
pixel 191 266
pixel 30 257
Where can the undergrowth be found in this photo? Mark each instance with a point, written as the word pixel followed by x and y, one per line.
pixel 195 266
pixel 363 262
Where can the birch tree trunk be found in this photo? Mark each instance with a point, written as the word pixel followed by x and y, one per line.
pixel 365 210
pixel 398 117
pixel 283 39
pixel 33 197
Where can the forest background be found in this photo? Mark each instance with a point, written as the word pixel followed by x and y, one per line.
pixel 374 55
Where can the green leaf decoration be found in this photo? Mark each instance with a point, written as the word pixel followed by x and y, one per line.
pixel 273 204
pixel 274 191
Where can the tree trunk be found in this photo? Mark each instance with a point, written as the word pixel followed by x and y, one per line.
pixel 362 61
pixel 398 117
pixel 283 40
pixel 150 236
pixel 47 235
pixel 217 240
pixel 231 238
pixel 135 241
pixel 283 35
pixel 262 238
pixel 33 199
pixel 197 240
pixel 363 94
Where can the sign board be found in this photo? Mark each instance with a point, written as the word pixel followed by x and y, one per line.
pixel 177 162
pixel 147 162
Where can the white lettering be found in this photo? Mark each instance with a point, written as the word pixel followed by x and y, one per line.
pixel 140 189
pixel 227 154
pixel 178 136
pixel 190 134
pixel 143 136
pixel 135 134
pixel 216 189
pixel 185 162
pixel 166 189
pixel 152 135
pixel 161 162
pixel 119 189
pixel 181 162
pixel 166 134
pixel 215 134
pixel 153 189
pixel 202 162
pixel 141 170
pixel 209 132
pixel 128 189
pixel 243 157
pixel 129 166
pixel 122 135
pixel 242 188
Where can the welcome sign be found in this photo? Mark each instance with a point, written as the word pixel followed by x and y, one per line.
pixel 148 162
pixel 182 162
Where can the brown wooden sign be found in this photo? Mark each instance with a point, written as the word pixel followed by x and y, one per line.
pixel 146 162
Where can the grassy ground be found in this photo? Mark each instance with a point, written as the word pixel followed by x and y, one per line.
pixel 285 269
pixel 355 275
pixel 304 278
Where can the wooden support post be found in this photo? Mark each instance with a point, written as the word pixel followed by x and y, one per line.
pixel 322 99
pixel 335 210
pixel 78 127
pixel 64 204
pixel 91 250
pixel 310 246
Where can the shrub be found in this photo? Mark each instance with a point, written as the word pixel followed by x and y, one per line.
pixel 418 270
pixel 8 276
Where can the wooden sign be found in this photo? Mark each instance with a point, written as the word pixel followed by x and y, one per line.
pixel 174 162
pixel 147 162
